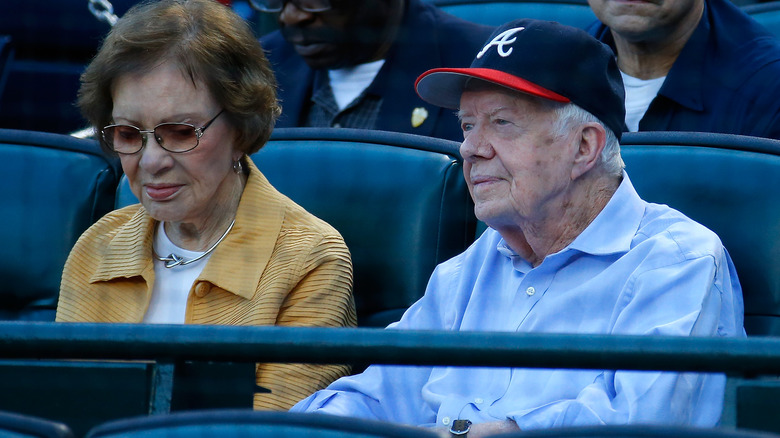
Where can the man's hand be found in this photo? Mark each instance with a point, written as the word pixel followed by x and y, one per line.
pixel 483 429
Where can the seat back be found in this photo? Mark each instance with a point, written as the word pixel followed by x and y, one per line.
pixel 729 184
pixel 52 188
pixel 637 431
pixel 768 14
pixel 83 393
pixel 575 13
pixel 6 55
pixel 399 201
pixel 21 426
pixel 243 423
pixel 53 42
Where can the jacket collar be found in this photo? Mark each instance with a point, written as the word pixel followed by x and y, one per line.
pixel 236 264
pixel 415 51
pixel 128 254
pixel 685 81
pixel 240 260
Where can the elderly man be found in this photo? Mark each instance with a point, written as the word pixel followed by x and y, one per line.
pixel 571 248
pixel 352 64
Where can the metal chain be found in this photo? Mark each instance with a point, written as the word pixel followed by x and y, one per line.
pixel 103 10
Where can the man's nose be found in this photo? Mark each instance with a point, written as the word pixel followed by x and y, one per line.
pixel 291 14
pixel 475 145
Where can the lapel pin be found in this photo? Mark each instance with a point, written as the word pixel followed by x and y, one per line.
pixel 419 115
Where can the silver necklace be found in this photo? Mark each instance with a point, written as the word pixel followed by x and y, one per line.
pixel 174 259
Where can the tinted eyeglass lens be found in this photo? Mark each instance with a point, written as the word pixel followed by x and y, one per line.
pixel 124 139
pixel 174 137
pixel 278 5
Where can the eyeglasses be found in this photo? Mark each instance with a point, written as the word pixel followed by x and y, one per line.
pixel 278 5
pixel 173 137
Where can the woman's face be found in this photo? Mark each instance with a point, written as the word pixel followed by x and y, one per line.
pixel 192 187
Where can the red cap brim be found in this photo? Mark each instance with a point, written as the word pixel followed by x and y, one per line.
pixel 443 86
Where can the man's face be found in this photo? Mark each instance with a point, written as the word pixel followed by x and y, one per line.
pixel 647 20
pixel 516 167
pixel 351 32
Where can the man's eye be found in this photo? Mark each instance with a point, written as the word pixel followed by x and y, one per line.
pixel 466 126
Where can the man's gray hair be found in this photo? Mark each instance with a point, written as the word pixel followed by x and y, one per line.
pixel 571 115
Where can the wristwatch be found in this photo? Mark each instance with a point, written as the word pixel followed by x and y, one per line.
pixel 460 428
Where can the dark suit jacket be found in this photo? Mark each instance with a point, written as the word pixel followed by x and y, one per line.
pixel 429 38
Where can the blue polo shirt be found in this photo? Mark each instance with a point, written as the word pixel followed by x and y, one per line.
pixel 637 269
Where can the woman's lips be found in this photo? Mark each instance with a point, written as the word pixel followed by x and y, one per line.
pixel 161 192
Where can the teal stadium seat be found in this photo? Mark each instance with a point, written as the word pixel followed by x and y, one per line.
pixel 83 393
pixel 245 423
pixel 768 14
pixel 399 201
pixel 13 425
pixel 575 13
pixel 729 184
pixel 52 187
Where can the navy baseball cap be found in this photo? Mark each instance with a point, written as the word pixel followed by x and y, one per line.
pixel 544 59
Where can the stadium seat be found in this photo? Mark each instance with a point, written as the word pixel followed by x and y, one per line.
pixel 243 423
pixel 399 201
pixel 729 184
pixel 637 431
pixel 53 42
pixel 575 13
pixel 14 425
pixel 83 393
pixel 6 55
pixel 768 14
pixel 52 187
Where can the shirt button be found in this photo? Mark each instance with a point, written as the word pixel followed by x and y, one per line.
pixel 337 125
pixel 530 291
pixel 478 401
pixel 445 421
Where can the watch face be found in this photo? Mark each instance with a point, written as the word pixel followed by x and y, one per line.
pixel 460 427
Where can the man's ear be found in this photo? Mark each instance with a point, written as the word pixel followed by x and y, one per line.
pixel 592 139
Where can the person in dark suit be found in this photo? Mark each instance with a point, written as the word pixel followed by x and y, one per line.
pixel 693 65
pixel 353 64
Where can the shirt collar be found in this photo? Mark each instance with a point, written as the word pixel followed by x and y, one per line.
pixel 612 231
pixel 686 80
pixel 614 228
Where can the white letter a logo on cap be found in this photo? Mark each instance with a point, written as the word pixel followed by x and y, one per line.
pixel 502 39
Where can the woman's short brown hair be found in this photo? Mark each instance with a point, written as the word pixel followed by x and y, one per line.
pixel 209 42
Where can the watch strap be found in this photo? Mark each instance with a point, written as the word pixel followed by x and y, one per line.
pixel 460 428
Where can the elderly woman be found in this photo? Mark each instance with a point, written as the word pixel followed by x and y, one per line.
pixel 182 93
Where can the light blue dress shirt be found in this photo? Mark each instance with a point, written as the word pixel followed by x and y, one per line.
pixel 637 269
